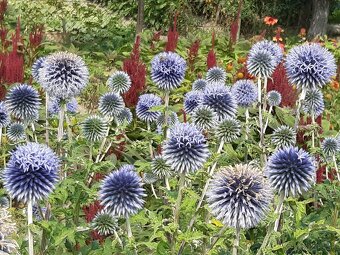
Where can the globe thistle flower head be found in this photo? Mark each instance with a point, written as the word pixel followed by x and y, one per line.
pixel 36 68
pixel 104 223
pixel 72 105
pixel 272 47
pixel 16 132
pixel 172 119
pixel 216 75
pixel 199 85
pixel 54 105
pixel 119 82
pixel 310 66
pixel 228 129
pixel 23 102
pixel 64 75
pixel 185 149
pixel 150 178
pixel 111 104
pixel 4 202
pixel 39 215
pixel 290 171
pixel 144 105
pixel 261 62
pixel 274 98
pixel 160 168
pixel 219 99
pixel 244 92
pixel 121 193
pixel 313 103
pixel 31 172
pixel 204 117
pixel 191 100
pixel 94 128
pixel 4 116
pixel 239 196
pixel 168 70
pixel 124 116
pixel 284 136
pixel 127 167
pixel 330 146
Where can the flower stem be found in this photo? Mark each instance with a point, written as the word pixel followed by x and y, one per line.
pixel 166 114
pixel 128 228
pixel 68 124
pixel 153 191
pixel 278 211
pixel 298 108
pixel 34 134
pixel 336 167
pixel 118 238
pixel 263 156
pixel 267 120
pixel 150 141
pixel 247 124
pixel 104 141
pixel 313 131
pixel 167 185
pixel 29 222
pixel 0 135
pixel 237 240
pixel 217 237
pixel 47 133
pixel 179 199
pixel 61 123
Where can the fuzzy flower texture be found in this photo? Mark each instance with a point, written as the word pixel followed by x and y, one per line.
pixel 31 172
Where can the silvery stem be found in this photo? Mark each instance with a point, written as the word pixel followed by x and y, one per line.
pixel 150 142
pixel 34 134
pixel 0 135
pixel 104 140
pixel 68 124
pixel 105 151
pixel 278 211
pixel 153 191
pixel 61 123
pixel 128 227
pixel 313 132
pixel 237 240
pixel 247 124
pixel 327 173
pixel 217 237
pixel 47 133
pixel 298 108
pixel 336 167
pixel 179 199
pixel 267 120
pixel 118 238
pixel 166 114
pixel 29 222
pixel 167 185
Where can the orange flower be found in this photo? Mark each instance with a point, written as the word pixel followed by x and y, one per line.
pixel 335 85
pixel 240 75
pixel 270 21
pixel 303 32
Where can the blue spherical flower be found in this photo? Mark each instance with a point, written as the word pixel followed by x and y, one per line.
pixel 168 70
pixel 127 167
pixel 149 178
pixel 121 193
pixel 239 196
pixel 313 104
pixel 55 104
pixel 172 119
pixel 124 116
pixel 185 149
pixel 104 223
pixel 284 136
pixel 94 128
pixel 23 102
pixel 191 100
pixel 216 75
pixel 199 85
pixel 64 75
pixel 119 82
pixel 290 171
pixel 4 116
pixel 274 98
pixel 261 62
pixel 219 99
pixel 159 167
pixel 144 104
pixel 330 146
pixel 111 104
pixel 245 92
pixel 204 117
pixel 31 172
pixel 39 214
pixel 228 129
pixel 16 132
pixel 272 47
pixel 36 68
pixel 310 66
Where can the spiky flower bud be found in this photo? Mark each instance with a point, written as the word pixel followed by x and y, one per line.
pixel 4 116
pixel 191 100
pixel 160 168
pixel 185 149
pixel 168 70
pixel 23 102
pixel 272 47
pixel 228 129
pixel 119 82
pixel 36 69
pixel 16 132
pixel 104 223
pixel 63 75
pixel 199 85
pixel 290 171
pixel 124 116
pixel 31 172
pixel 244 92
pixel 111 104
pixel 150 178
pixel 219 99
pixel 94 128
pixel 313 104
pixel 261 62
pixel 330 146
pixel 310 66
pixel 172 119
pixel 144 105
pixel 204 117
pixel 274 98
pixel 55 104
pixel 121 193
pixel 216 75
pixel 284 136
pixel 239 196
pixel 4 202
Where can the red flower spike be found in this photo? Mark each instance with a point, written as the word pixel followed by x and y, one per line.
pixel 235 24
pixel 171 44
pixel 3 8
pixel 36 36
pixel 193 52
pixel 211 59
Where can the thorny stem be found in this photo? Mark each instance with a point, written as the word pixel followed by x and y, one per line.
pixel 29 222
pixel 128 227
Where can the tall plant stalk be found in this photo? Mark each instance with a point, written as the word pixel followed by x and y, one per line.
pixel 298 108
pixel 237 240
pixel 29 222
pixel 128 227
pixel 150 141
pixel 336 168
pixel 47 133
pixel 61 123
